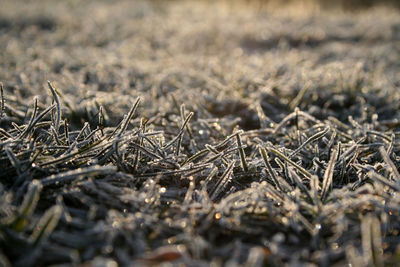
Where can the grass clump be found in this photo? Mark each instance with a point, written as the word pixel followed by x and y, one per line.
pixel 253 146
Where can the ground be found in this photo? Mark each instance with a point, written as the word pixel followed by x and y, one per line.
pixel 234 133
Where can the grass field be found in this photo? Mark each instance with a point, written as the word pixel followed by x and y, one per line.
pixel 199 133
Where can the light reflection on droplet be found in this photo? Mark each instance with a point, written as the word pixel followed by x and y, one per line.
pixel 181 248
pixel 115 224
pixel 217 216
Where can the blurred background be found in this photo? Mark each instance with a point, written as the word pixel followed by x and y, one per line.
pixel 341 4
pixel 222 55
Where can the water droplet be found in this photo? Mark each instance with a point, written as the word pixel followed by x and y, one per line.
pixel 335 246
pixel 318 226
pixel 217 216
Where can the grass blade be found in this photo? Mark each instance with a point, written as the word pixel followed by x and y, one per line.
pixel 328 176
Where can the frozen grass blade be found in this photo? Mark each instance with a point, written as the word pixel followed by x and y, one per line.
pixel 265 122
pixel 14 160
pixel 313 138
pixel 372 241
pixel 242 155
pixel 141 137
pixel 295 114
pixel 314 188
pixel 300 184
pixel 222 181
pixel 181 132
pixel 213 150
pixel 66 132
pixel 264 155
pixel 35 121
pixel 390 163
pixel 286 159
pixel 101 120
pixel 55 135
pixel 146 151
pixel 211 176
pixel 46 225
pixel 296 101
pixel 75 143
pixel 198 155
pixel 34 113
pixel 65 157
pixel 66 177
pixel 190 170
pixel 221 154
pixel 189 195
pixel 3 106
pixel 383 136
pixel 131 112
pixel 379 178
pixel 328 176
pixel 57 100
pixel 28 205
pixel 183 111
